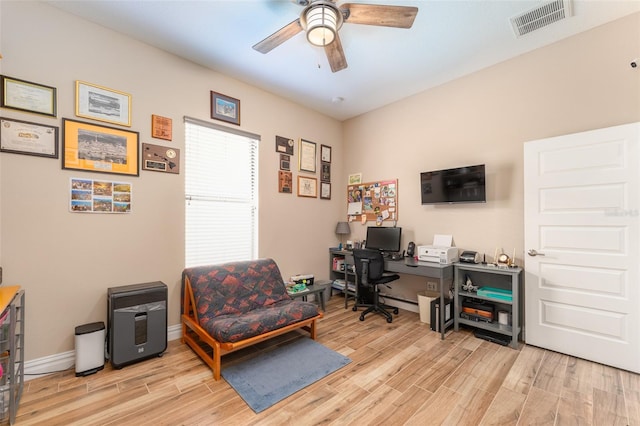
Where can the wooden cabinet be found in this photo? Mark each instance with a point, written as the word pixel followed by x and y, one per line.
pixel 11 351
pixel 500 293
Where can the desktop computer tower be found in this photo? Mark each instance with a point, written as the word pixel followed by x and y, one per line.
pixel 137 322
pixel 435 313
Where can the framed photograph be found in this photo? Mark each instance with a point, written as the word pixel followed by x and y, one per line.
pixel 355 178
pixel 26 96
pixel 23 137
pixel 325 153
pixel 325 172
pixel 307 156
pixel 161 127
pixel 307 187
pixel 284 145
pixel 325 190
pixel 225 108
pixel 102 104
pixel 285 162
pixel 285 182
pixel 95 148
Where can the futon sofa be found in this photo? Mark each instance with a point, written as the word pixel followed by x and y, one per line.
pixel 230 306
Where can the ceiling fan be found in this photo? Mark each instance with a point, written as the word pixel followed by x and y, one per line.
pixel 322 19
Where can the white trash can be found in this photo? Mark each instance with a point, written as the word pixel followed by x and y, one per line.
pixel 424 304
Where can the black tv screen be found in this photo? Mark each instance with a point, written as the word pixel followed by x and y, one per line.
pixel 385 239
pixel 459 185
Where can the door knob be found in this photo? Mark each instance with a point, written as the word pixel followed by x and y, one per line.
pixel 533 252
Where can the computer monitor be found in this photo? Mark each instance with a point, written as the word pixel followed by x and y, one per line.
pixel 385 239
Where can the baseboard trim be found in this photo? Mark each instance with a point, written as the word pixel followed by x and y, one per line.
pixel 63 361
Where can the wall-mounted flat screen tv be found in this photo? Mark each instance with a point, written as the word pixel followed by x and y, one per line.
pixel 459 185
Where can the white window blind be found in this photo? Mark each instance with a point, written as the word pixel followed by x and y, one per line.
pixel 221 189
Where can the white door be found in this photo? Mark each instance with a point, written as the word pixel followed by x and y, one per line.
pixel 581 210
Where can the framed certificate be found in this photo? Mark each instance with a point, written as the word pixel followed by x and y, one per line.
pixel 27 96
pixel 307 187
pixel 23 137
pixel 307 157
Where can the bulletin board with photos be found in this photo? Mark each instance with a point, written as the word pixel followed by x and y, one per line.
pixel 373 201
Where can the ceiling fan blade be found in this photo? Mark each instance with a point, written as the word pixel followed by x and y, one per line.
pixel 279 37
pixel 335 55
pixel 381 15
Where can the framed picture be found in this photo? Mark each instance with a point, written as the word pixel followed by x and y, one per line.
pixel 325 153
pixel 307 156
pixel 285 182
pixel 161 127
pixel 355 178
pixel 284 145
pixel 26 96
pixel 325 172
pixel 307 187
pixel 102 104
pixel 95 148
pixel 325 190
pixel 23 137
pixel 285 162
pixel 225 108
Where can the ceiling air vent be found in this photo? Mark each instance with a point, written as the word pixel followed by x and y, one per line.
pixel 541 16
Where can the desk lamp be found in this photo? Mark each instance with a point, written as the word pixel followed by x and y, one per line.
pixel 342 228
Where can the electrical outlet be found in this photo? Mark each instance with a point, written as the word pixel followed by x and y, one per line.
pixel 432 286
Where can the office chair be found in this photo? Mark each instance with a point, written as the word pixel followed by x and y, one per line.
pixel 370 275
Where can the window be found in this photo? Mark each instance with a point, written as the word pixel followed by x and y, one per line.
pixel 221 191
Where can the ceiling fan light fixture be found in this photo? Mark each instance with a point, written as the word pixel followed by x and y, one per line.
pixel 321 21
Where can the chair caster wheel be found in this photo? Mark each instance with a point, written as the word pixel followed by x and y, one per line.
pixel 354 309
pixel 395 311
pixel 389 320
pixel 361 317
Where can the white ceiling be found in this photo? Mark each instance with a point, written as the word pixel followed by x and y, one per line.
pixel 449 39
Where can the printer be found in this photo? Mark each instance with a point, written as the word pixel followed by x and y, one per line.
pixel 439 252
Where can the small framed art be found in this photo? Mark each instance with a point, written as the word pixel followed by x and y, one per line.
pixel 307 187
pixel 325 190
pixel 26 96
pixel 102 104
pixel 325 153
pixel 225 108
pixel 95 148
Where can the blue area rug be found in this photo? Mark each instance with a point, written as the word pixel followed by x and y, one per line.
pixel 271 376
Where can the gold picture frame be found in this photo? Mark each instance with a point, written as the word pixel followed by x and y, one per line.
pixel 102 104
pixel 96 148
pixel 307 187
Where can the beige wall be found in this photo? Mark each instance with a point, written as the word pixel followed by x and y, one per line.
pixel 67 261
pixel 582 83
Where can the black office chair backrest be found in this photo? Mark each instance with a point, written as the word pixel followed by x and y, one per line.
pixel 376 264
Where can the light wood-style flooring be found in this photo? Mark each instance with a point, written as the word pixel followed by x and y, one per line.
pixel 401 374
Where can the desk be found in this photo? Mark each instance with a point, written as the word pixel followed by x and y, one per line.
pixel 406 266
pixel 426 269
